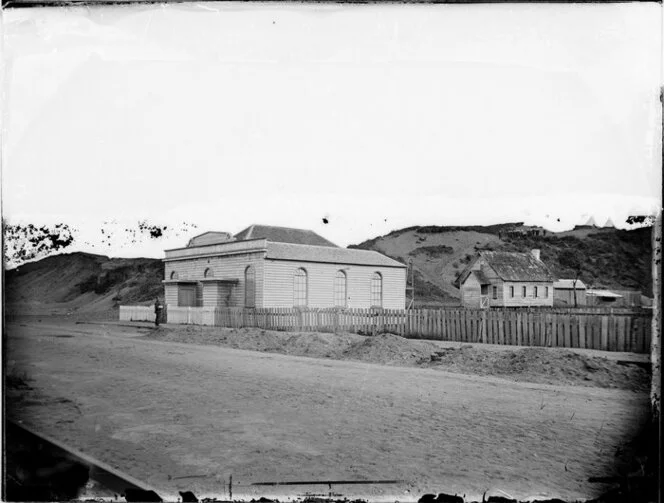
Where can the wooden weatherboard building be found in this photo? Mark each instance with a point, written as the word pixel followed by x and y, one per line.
pixel 276 267
pixel 566 290
pixel 506 279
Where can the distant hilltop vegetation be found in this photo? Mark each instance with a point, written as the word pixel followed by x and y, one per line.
pixel 610 258
pixel 95 285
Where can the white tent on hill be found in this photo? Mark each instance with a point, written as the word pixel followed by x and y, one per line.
pixel 609 223
pixel 590 223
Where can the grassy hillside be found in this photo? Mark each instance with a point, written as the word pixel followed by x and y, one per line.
pixel 611 258
pixel 82 283
pixel 94 285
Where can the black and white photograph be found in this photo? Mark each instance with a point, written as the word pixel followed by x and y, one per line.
pixel 317 252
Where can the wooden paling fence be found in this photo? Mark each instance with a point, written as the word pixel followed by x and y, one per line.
pixel 628 331
pixel 137 313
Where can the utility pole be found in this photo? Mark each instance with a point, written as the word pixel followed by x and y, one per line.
pixel 655 344
pixel 655 340
pixel 412 284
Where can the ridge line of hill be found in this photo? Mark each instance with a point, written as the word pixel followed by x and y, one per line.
pixel 84 282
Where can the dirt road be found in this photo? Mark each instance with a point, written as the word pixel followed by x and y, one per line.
pixel 184 416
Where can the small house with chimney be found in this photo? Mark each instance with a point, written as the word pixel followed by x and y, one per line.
pixel 506 279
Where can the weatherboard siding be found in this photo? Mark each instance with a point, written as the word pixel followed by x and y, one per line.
pixel 494 280
pixel 529 300
pixel 279 276
pixel 224 267
pixel 470 292
pixel 565 297
pixel 171 295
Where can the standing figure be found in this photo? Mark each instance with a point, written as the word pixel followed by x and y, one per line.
pixel 157 311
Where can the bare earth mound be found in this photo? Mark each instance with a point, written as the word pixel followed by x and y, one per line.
pixel 543 365
pixel 390 349
pixel 536 365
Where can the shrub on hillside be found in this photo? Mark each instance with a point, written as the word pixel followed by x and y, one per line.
pixel 88 285
pixel 432 251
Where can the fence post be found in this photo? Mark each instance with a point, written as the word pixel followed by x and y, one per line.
pixel 582 330
pixel 605 333
pixel 484 327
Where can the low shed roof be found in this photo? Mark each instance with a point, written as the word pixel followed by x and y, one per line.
pixel 328 254
pixel 568 284
pixel 603 293
pixel 210 237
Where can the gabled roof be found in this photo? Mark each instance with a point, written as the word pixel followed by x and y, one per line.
pixel 283 235
pixel 513 266
pixel 328 254
pixel 509 266
pixel 568 284
pixel 481 278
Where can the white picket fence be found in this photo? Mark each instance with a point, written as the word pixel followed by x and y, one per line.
pixel 137 313
pixel 193 315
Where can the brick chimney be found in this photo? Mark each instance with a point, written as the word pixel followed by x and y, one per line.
pixel 536 253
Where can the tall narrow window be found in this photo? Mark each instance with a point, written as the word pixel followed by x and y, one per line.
pixel 300 288
pixel 340 289
pixel 523 291
pixel 376 290
pixel 495 292
pixel 546 292
pixel 535 292
pixel 250 287
pixel 511 291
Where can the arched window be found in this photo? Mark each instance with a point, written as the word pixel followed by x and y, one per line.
pixel 376 290
pixel 250 287
pixel 340 289
pixel 300 288
pixel 209 273
pixel 174 275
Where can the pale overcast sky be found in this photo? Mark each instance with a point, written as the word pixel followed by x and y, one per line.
pixel 375 117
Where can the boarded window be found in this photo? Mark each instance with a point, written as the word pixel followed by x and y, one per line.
pixel 199 294
pixel 187 295
pixel 535 292
pixel 511 291
pixel 300 288
pixel 340 289
pixel 495 292
pixel 523 291
pixel 376 290
pixel 250 287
